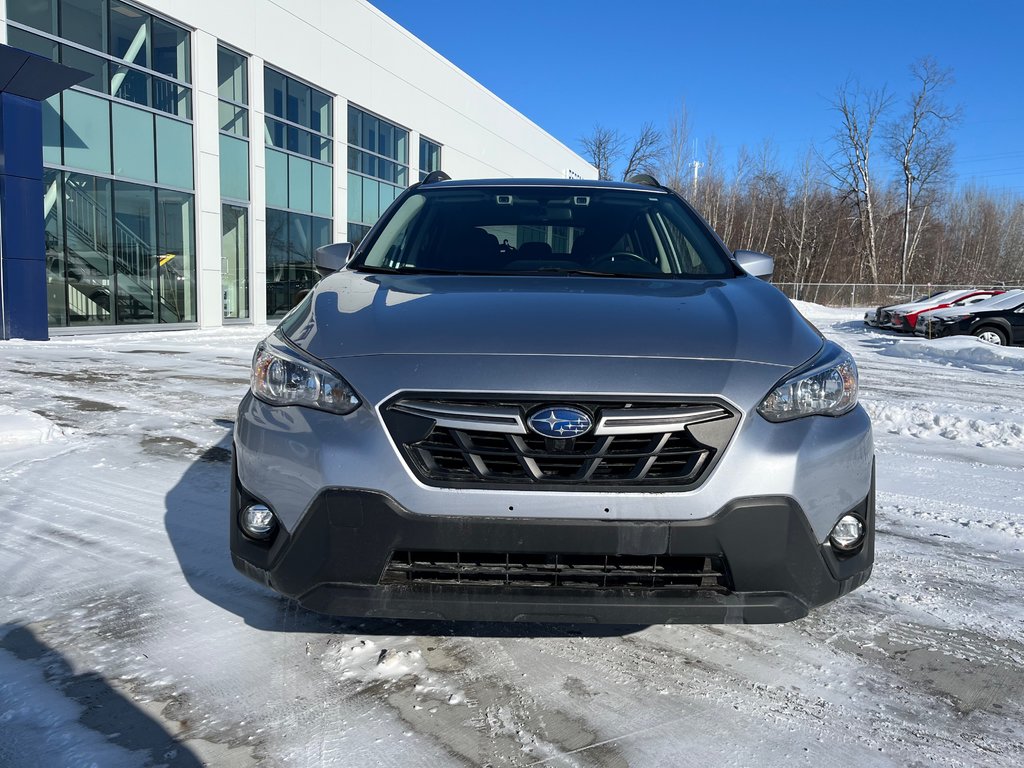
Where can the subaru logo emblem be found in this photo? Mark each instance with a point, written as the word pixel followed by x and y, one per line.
pixel 560 422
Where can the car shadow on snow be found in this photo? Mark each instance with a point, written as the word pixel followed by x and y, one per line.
pixel 44 738
pixel 196 520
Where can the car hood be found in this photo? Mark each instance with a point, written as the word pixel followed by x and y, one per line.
pixel 353 314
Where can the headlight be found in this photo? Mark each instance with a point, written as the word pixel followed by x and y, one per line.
pixel 283 376
pixel 950 319
pixel 826 387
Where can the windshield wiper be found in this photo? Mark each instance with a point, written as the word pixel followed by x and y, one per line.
pixel 412 270
pixel 587 273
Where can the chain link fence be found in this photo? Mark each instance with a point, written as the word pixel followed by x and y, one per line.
pixel 868 294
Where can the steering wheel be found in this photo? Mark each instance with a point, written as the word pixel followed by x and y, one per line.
pixel 620 257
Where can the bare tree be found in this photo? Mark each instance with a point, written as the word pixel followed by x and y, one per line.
pixel 603 147
pixel 677 161
pixel 919 142
pixel 850 164
pixel 647 152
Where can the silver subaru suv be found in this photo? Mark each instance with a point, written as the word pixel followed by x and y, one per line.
pixel 551 401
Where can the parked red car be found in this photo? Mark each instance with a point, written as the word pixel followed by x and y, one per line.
pixel 906 321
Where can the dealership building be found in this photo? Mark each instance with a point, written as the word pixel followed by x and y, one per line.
pixel 211 147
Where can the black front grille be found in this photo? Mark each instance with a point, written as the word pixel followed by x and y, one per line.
pixel 516 569
pixel 462 455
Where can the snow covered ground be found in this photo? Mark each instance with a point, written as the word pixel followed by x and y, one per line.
pixel 127 638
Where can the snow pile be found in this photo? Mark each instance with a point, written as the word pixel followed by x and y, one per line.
pixel 21 428
pixel 920 421
pixel 961 351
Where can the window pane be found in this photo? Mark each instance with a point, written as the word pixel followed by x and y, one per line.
pixel 355 198
pixel 275 133
pixel 97 67
pixel 323 194
pixel 371 201
pixel 90 262
pixel 173 152
pixel 232 76
pixel 56 280
pixel 170 50
pixel 356 232
pixel 300 245
pixel 41 14
pixel 386 140
pixel 298 140
pixel 51 130
pixel 233 119
pixel 234 168
pixel 176 262
pixel 86 132
pixel 401 146
pixel 368 139
pixel 277 179
pixel 135 254
pixel 300 184
pixel 84 21
pixel 130 84
pixel 273 93
pixel 172 98
pixel 277 243
pixel 322 148
pixel 234 251
pixel 355 126
pixel 320 108
pixel 320 232
pixel 129 33
pixel 298 103
pixel 19 38
pixel 133 143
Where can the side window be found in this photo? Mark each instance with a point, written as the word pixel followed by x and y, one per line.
pixel 678 247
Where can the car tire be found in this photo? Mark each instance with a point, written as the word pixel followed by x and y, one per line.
pixel 990 335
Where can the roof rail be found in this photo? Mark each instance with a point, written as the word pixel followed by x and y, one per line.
pixel 645 178
pixel 435 176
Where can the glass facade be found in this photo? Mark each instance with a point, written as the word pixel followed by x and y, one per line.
pixel 430 157
pixel 233 112
pixel 118 156
pixel 300 188
pixel 378 168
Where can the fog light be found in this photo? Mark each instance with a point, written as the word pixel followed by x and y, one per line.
pixel 848 533
pixel 258 521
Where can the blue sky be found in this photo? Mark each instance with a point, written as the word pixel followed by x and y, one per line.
pixel 747 71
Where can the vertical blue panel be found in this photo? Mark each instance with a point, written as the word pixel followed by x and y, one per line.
pixel 22 247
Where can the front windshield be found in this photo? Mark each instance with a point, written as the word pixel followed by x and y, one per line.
pixel 547 231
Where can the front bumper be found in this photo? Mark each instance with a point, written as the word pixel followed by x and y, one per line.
pixel 334 561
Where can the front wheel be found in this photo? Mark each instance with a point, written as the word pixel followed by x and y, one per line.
pixel 991 336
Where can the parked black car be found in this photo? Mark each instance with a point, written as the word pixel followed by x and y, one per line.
pixel 999 320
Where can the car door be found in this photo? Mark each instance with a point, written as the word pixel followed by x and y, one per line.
pixel 1016 318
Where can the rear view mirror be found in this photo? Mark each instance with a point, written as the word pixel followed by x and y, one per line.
pixel 330 258
pixel 757 264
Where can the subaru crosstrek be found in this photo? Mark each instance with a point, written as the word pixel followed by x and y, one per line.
pixel 550 400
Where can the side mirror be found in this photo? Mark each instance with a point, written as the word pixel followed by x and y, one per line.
pixel 330 258
pixel 757 264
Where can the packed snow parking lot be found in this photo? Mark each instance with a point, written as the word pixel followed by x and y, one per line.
pixel 128 639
